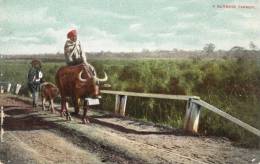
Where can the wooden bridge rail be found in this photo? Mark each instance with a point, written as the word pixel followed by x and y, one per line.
pixel 228 117
pixel 193 108
pixel 150 95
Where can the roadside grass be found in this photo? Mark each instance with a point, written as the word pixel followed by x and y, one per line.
pixel 232 85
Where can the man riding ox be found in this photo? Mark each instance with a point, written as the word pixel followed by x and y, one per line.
pixel 78 79
pixel 73 51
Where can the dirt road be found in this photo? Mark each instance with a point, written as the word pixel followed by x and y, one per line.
pixel 34 136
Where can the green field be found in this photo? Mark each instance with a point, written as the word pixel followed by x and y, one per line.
pixel 229 84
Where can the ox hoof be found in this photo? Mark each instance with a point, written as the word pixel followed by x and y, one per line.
pixel 85 121
pixel 70 118
pixel 64 114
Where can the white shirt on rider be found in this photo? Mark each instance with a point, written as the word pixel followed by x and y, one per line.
pixel 73 52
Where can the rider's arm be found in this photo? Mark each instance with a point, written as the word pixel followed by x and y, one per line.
pixel 82 54
pixel 68 52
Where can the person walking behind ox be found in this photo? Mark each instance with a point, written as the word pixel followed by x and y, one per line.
pixel 34 77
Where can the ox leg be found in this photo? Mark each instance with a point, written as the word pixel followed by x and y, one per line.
pixel 84 117
pixel 49 105
pixel 52 106
pixel 63 106
pixel 67 113
pixel 68 116
pixel 64 109
pixel 43 103
pixel 76 105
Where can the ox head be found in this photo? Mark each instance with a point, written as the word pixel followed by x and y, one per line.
pixel 91 82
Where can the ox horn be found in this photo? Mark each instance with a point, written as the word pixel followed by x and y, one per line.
pixel 80 78
pixel 101 80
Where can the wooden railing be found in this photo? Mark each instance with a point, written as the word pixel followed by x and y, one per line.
pixel 5 87
pixel 193 108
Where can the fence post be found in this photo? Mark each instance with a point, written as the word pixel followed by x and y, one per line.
pixel 191 121
pixel 123 105
pixel 120 104
pixel 117 104
pixel 8 87
pixel 18 87
pixel 1 122
pixel 1 89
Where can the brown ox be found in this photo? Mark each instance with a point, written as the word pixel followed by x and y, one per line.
pixel 48 92
pixel 77 82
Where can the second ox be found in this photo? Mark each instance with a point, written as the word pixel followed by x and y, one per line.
pixel 48 92
pixel 77 82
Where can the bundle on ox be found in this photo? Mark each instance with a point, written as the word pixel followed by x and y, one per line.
pixel 48 92
pixel 77 82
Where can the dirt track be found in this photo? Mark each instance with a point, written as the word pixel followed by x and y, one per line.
pixel 40 137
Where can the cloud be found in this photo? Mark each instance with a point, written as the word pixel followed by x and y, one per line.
pixel 104 13
pixel 250 25
pixel 135 26
pixel 104 44
pixel 170 8
pixel 30 49
pixel 49 40
pixel 166 34
pixel 97 32
pixel 181 25
pixel 187 15
pixel 3 15
pixel 37 16
pixel 20 39
pixel 119 15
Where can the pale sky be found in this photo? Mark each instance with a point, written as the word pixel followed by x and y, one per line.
pixel 40 26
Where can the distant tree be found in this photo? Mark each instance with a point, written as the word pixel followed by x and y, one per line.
pixel 252 46
pixel 209 48
pixel 237 48
pixel 237 51
pixel 58 53
pixel 175 50
pixel 144 50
